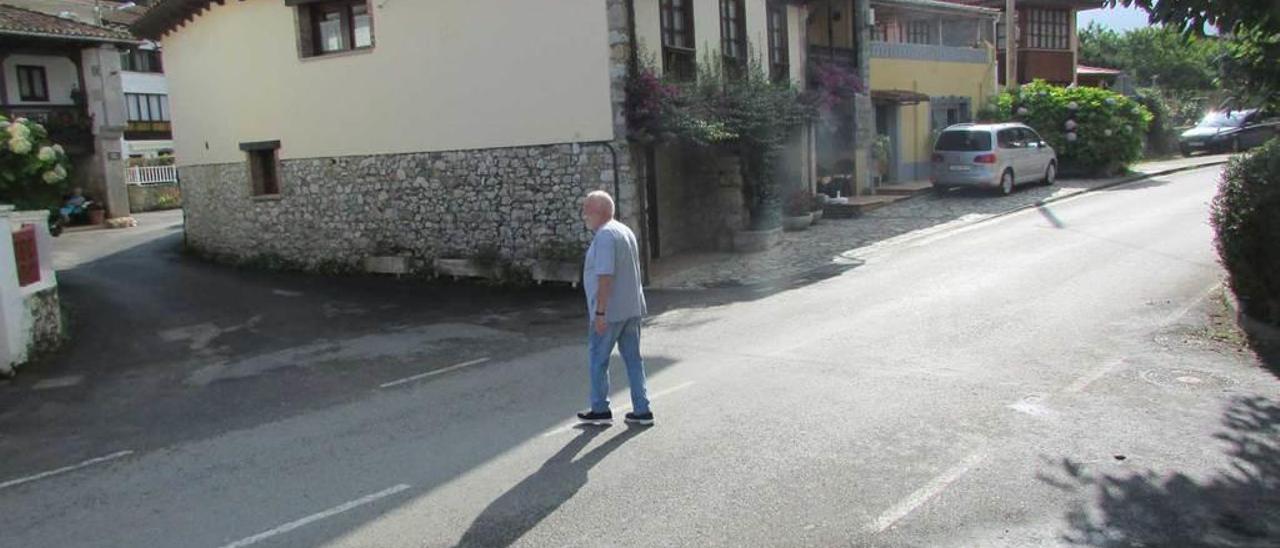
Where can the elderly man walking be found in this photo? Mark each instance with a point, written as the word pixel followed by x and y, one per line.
pixel 615 300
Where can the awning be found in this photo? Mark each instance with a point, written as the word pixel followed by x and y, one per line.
pixel 900 96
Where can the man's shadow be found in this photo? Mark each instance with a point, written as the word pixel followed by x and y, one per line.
pixel 522 507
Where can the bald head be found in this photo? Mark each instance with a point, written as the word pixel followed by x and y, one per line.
pixel 597 209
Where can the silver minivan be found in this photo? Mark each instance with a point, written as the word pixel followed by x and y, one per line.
pixel 998 156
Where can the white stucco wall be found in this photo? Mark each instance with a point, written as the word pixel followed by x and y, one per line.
pixel 59 71
pixel 444 75
pixel 706 23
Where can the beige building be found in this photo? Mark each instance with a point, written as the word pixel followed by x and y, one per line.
pixel 319 133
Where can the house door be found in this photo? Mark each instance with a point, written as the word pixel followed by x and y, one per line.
pixel 887 130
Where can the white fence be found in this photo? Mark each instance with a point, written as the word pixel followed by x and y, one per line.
pixel 149 175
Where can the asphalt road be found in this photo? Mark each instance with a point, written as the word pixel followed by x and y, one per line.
pixel 1036 380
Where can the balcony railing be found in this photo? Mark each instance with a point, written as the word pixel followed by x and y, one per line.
pixel 928 52
pixel 143 131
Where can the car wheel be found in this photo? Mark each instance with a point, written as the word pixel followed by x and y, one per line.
pixel 1051 174
pixel 1006 183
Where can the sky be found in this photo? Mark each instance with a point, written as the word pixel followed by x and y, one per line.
pixel 1119 19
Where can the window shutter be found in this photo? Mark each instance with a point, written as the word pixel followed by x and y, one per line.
pixel 306 38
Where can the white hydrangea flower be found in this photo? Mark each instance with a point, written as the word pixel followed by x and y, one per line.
pixel 1071 137
pixel 1107 132
pixel 51 177
pixel 59 150
pixel 47 154
pixel 61 171
pixel 20 145
pixel 1073 105
pixel 1022 111
pixel 1071 124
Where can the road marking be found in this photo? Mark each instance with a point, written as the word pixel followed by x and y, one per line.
pixel 922 495
pixel 85 464
pixel 433 373
pixel 316 517
pixel 1186 308
pixel 571 424
pixel 1081 383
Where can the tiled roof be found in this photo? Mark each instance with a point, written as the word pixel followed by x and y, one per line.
pixel 19 21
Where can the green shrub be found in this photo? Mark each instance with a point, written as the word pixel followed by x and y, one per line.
pixel 1109 126
pixel 1246 216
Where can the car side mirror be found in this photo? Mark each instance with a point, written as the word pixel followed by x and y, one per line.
pixel 1043 144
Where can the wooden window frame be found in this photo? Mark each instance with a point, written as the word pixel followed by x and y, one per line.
pixel 263 159
pixel 679 57
pixel 1046 29
pixel 147 110
pixel 779 42
pixel 32 70
pixel 733 35
pixel 919 31
pixel 308 22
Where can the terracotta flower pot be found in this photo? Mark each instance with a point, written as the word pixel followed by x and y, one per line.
pixel 97 216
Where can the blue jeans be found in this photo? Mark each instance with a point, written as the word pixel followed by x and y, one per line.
pixel 626 335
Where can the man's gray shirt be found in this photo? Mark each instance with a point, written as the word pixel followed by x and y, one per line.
pixel 614 252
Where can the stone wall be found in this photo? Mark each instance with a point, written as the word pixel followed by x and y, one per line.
pixel 46 322
pixel 153 197
pixel 333 212
pixel 700 201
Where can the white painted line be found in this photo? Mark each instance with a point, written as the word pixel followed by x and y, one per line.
pixel 1186 308
pixel 922 495
pixel 433 373
pixel 1081 383
pixel 43 475
pixel 316 517
pixel 571 424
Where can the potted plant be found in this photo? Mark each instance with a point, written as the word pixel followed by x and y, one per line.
pixel 818 202
pixel 797 211
pixel 559 262
pixel 97 214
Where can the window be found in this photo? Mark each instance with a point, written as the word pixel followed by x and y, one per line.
pixel 144 107
pixel 679 57
pixel 963 141
pixel 333 26
pixel 733 35
pixel 1009 138
pixel 779 46
pixel 920 32
pixel 33 85
pixel 1048 29
pixel 264 171
pixel 141 60
pixel 1000 34
pixel 1029 137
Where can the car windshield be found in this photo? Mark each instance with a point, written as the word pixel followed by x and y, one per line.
pixel 964 141
pixel 1223 119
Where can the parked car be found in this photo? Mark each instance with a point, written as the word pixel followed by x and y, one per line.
pixel 1229 131
pixel 998 156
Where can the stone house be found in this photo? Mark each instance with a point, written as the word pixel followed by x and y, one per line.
pixel 319 133
pixel 65 74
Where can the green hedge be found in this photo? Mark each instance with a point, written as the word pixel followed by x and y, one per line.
pixel 1246 216
pixel 1109 126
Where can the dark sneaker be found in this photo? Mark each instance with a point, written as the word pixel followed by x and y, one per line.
pixel 642 420
pixel 596 418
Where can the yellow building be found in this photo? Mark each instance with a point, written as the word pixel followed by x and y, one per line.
pixel 933 64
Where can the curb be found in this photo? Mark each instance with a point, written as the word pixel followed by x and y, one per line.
pixel 1259 331
pixel 1121 182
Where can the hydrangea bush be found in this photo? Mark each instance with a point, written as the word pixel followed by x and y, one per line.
pixel 33 170
pixel 1093 130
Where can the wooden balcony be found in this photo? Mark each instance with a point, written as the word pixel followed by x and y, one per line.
pixel 148 131
pixel 69 126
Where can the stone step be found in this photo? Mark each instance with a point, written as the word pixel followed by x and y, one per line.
pixel 904 189
pixel 857 206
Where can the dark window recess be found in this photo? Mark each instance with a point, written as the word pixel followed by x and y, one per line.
pixel 33 85
pixel 733 36
pixel 264 170
pixel 964 141
pixel 779 43
pixel 679 55
pixel 333 26
pixel 141 60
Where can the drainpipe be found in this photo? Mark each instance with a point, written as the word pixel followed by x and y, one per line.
pixel 1010 44
pixel 617 179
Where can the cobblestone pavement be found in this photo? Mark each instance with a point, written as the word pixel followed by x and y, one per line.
pixel 831 245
